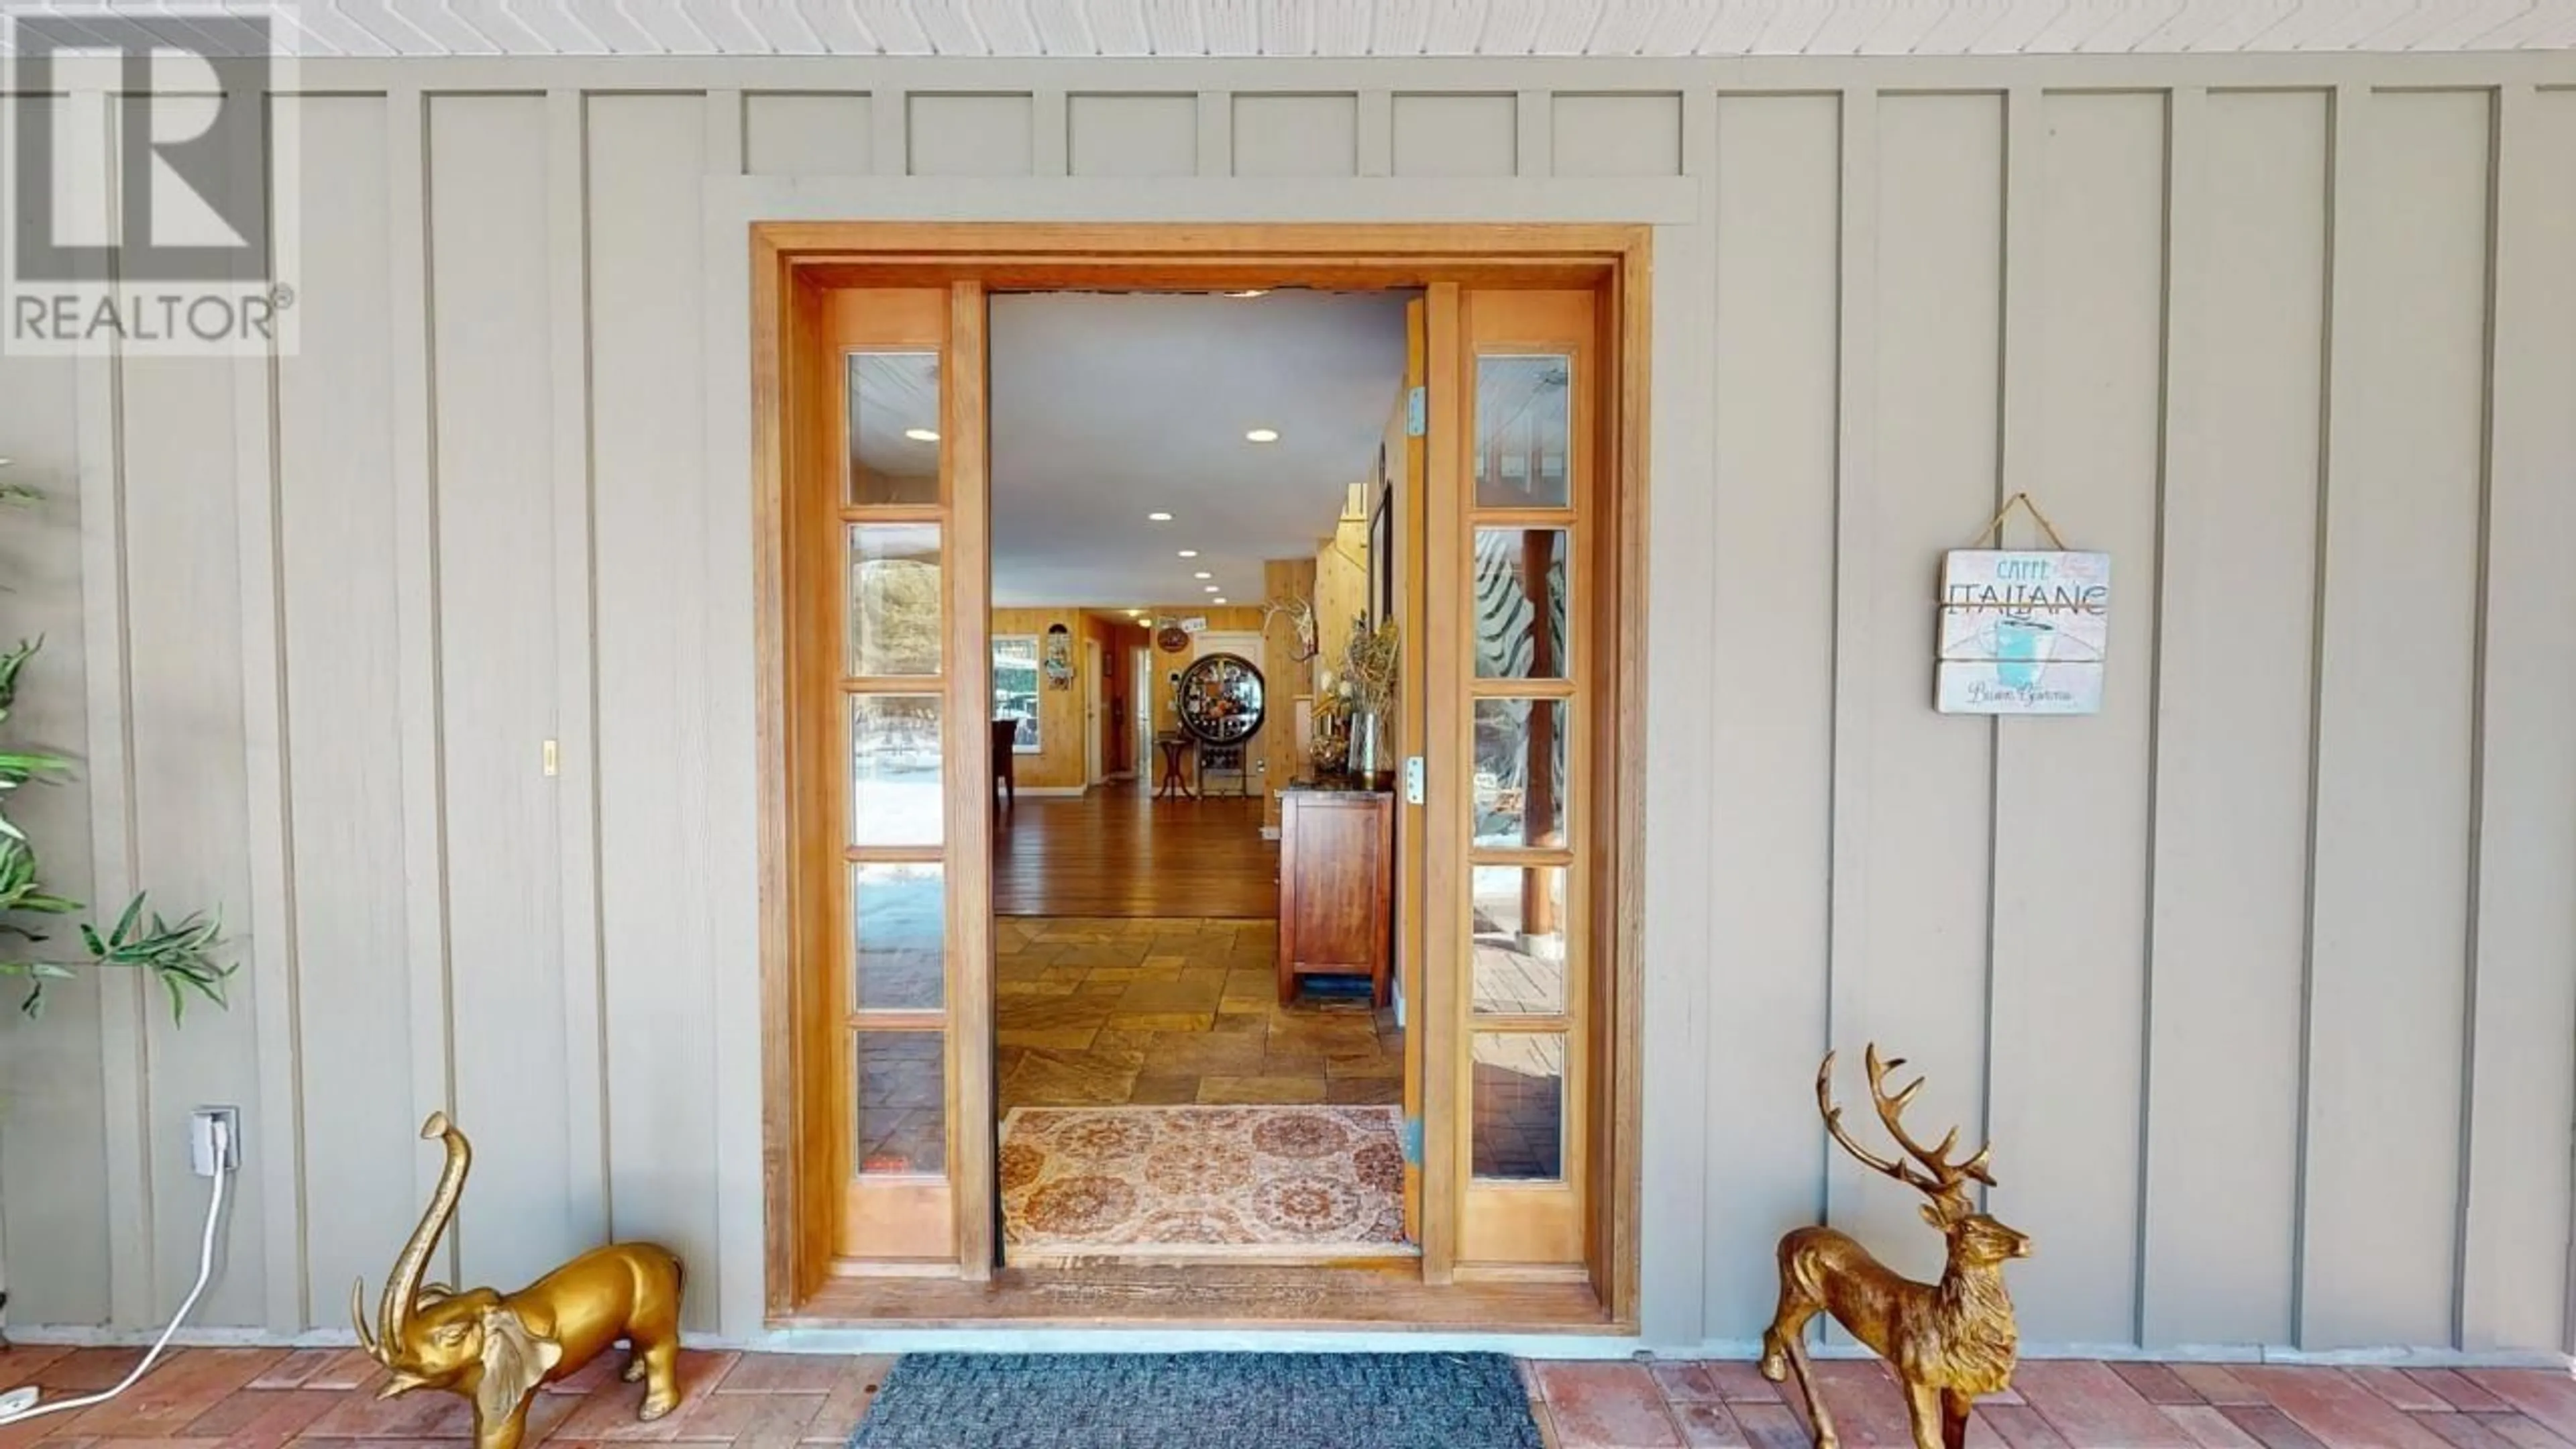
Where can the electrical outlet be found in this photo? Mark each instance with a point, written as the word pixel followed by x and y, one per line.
pixel 204 1156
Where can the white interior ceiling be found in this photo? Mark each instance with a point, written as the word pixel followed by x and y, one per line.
pixel 1382 27
pixel 1107 408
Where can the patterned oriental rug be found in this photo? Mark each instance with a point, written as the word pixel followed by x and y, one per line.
pixel 1202 1182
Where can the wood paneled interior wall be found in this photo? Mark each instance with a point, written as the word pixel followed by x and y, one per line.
pixel 2263 979
pixel 1058 764
pixel 1341 588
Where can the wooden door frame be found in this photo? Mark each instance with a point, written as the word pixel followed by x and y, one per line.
pixel 1095 734
pixel 793 259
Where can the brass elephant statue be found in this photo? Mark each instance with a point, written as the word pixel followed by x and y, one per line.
pixel 496 1348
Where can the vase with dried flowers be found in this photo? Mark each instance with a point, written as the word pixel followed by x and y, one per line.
pixel 1367 688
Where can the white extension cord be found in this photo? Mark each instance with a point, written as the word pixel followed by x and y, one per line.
pixel 20 1404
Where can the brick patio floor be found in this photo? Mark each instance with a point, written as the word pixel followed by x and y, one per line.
pixel 324 1399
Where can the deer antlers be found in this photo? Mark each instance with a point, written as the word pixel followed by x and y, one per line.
pixel 1937 1176
pixel 1301 618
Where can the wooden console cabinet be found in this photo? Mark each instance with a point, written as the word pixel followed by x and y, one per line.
pixel 1336 886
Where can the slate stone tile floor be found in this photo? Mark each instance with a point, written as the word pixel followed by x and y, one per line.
pixel 265 1398
pixel 1098 1011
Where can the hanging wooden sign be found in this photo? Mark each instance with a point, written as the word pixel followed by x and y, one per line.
pixel 2023 631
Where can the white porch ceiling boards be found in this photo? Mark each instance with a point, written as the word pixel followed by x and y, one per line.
pixel 1353 28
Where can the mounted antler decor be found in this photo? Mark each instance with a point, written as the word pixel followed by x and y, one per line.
pixel 1301 622
pixel 496 1349
pixel 1948 1341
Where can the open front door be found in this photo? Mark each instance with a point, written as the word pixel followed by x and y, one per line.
pixel 1513 643
pixel 888 695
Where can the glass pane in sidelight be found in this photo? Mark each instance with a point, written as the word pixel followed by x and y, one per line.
pixel 1520 780
pixel 1520 603
pixel 1519 1105
pixel 903 1103
pixel 894 769
pixel 1524 431
pixel 898 913
pixel 1519 929
pixel 894 599
pixel 894 427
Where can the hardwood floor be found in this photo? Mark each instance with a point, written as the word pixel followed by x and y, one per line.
pixel 1118 851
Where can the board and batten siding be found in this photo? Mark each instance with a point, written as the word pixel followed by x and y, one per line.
pixel 2263 980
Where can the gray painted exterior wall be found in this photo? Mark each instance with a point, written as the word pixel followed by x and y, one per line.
pixel 2264 980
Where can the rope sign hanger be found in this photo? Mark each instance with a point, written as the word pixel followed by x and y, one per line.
pixel 1992 535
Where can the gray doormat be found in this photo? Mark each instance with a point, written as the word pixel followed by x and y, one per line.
pixel 1200 1401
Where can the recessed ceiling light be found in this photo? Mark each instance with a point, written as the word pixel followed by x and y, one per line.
pixel 1189 553
pixel 1203 574
pixel 1218 599
pixel 1158 518
pixel 921 435
pixel 1135 613
pixel 1262 435
pixel 1251 292
pixel 1211 588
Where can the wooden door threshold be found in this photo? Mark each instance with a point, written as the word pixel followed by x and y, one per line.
pixel 1073 1262
pixel 1212 1296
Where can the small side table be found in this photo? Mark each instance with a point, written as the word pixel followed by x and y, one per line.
pixel 1175 781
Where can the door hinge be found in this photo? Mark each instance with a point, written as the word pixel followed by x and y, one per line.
pixel 1414 411
pixel 1410 1139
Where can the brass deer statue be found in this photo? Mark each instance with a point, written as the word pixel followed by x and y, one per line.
pixel 1948 1341
pixel 497 1348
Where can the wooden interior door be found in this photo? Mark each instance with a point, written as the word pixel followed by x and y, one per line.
pixel 889 700
pixel 1513 645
